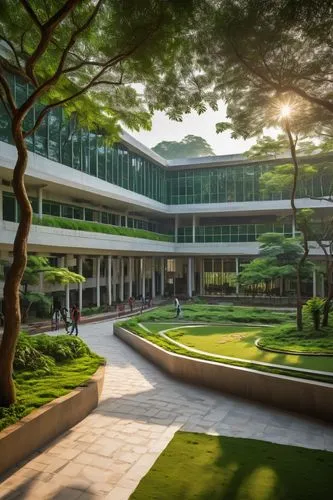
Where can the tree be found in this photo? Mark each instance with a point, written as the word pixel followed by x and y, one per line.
pixel 278 257
pixel 259 271
pixel 189 147
pixel 275 55
pixel 82 56
pixel 267 147
pixel 56 275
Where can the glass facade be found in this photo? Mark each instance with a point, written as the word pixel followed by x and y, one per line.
pixel 60 139
pixel 57 209
pixel 232 184
pixel 231 233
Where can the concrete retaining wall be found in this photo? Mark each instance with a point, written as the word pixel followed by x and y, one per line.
pixel 18 441
pixel 299 395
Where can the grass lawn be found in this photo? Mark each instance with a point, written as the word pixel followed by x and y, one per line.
pixel 36 387
pixel 197 466
pixel 239 341
pixel 219 314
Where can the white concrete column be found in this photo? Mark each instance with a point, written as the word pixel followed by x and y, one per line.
pixel 1 204
pixel 143 277
pixel 122 279
pixel 314 283
pixel 80 268
pixel 40 203
pixel 98 281
pixel 176 228
pixel 162 276
pixel 114 279
pixel 193 228
pixel 130 276
pixel 126 220
pixel 201 276
pixel 193 275
pixel 189 276
pixel 237 274
pixel 109 284
pixel 153 283
pixel 293 227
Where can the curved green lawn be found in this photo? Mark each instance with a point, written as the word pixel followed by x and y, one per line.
pixel 238 341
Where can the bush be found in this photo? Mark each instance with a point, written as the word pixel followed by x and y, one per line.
pixel 61 347
pixel 81 225
pixel 314 308
pixel 28 357
pixel 89 311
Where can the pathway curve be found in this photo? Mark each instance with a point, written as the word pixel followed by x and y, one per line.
pixel 106 455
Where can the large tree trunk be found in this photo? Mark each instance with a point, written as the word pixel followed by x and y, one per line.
pixel 299 302
pixel 15 273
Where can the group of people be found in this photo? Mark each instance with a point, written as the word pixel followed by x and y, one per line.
pixel 70 318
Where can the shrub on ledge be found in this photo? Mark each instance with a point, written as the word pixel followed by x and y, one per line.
pixel 97 227
pixel 45 368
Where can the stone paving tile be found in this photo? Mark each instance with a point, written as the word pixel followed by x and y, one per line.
pixel 107 454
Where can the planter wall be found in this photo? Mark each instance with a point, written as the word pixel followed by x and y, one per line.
pixel 18 441
pixel 294 394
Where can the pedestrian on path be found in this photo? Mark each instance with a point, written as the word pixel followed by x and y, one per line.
pixel 75 319
pixel 178 308
pixel 65 317
pixel 55 319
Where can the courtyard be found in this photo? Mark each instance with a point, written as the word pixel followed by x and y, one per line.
pixel 108 453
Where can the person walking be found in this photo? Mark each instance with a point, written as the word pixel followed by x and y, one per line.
pixel 75 319
pixel 178 308
pixel 130 303
pixel 65 318
pixel 55 319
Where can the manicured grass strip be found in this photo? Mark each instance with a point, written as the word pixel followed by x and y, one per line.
pixel 239 342
pixel 198 466
pixel 78 225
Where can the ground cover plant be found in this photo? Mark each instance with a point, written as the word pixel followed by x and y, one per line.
pixel 216 313
pixel 149 324
pixel 96 227
pixel 224 468
pixel 239 342
pixel 47 367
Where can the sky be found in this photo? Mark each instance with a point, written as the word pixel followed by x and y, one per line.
pixel 203 125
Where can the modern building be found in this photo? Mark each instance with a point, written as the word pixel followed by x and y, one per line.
pixel 133 223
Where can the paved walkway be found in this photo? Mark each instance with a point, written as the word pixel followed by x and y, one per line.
pixel 107 454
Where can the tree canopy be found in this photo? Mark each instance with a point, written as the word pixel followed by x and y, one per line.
pixel 189 147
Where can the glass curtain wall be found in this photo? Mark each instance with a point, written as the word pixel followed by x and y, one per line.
pixel 60 139
pixel 232 184
pixel 231 233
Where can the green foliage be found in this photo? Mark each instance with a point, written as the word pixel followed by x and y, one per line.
pixel 267 147
pixel 287 338
pixel 46 367
pixel 279 257
pixel 30 358
pixel 190 146
pixel 79 225
pixel 61 347
pixel 90 311
pixel 315 307
pixel 280 178
pixel 207 467
pixel 215 313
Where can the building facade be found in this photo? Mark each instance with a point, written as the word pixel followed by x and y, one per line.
pixel 135 224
